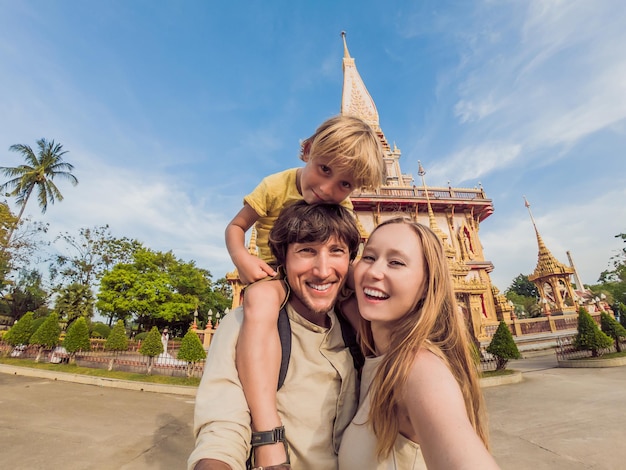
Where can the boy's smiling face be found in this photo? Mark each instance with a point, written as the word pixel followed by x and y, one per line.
pixel 320 183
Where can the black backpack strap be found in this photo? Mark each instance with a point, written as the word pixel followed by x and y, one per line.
pixel 349 338
pixel 348 334
pixel 284 334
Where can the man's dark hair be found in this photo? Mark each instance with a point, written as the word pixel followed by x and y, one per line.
pixel 313 223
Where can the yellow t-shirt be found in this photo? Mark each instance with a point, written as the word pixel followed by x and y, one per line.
pixel 274 193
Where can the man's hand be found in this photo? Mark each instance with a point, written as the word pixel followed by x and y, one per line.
pixel 251 269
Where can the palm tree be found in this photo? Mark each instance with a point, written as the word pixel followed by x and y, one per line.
pixel 38 171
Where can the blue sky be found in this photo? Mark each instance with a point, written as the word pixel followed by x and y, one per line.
pixel 173 111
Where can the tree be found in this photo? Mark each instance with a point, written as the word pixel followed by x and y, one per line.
pixel 27 294
pixel 589 336
pixel 77 338
pixel 38 172
pixel 21 331
pixel 503 346
pixel 613 280
pixel 611 327
pixel 91 254
pixel 524 295
pixel 7 222
pixel 522 286
pixel 117 341
pixel 100 330
pixel 151 347
pixel 75 301
pixel 16 255
pixel 47 335
pixel 191 350
pixel 157 289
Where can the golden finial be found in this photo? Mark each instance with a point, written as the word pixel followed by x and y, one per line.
pixel 421 170
pixel 532 219
pixel 345 45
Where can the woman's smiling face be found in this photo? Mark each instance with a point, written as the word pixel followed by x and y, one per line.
pixel 390 276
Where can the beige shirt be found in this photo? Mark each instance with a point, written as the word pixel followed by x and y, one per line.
pixel 316 402
pixel 358 447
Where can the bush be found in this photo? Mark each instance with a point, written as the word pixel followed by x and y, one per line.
pixel 21 332
pixel 117 340
pixel 100 330
pixel 151 346
pixel 141 336
pixel 589 336
pixel 47 335
pixel 191 350
pixel 612 328
pixel 503 346
pixel 37 322
pixel 77 337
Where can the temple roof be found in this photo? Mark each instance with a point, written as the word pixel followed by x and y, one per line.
pixel 547 264
pixel 355 99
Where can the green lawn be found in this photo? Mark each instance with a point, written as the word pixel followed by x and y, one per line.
pixel 496 373
pixel 74 369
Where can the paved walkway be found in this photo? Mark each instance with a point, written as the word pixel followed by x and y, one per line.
pixel 555 419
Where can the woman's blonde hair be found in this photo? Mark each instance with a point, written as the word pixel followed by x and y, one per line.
pixel 348 143
pixel 435 324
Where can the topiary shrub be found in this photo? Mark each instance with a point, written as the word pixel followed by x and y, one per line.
pixel 100 330
pixel 589 336
pixel 503 346
pixel 141 336
pixel 117 341
pixel 612 328
pixel 77 338
pixel 47 335
pixel 191 350
pixel 151 347
pixel 21 332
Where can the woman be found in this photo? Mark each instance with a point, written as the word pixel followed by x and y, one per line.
pixel 421 404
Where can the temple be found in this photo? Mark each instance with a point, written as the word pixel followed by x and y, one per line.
pixel 454 214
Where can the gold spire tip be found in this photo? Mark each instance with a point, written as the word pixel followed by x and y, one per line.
pixel 346 54
pixel 421 170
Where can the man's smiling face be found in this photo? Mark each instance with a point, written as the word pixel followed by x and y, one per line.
pixel 316 272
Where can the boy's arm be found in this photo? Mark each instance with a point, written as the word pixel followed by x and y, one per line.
pixel 258 362
pixel 250 267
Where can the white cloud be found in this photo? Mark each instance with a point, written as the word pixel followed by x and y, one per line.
pixel 155 209
pixel 544 81
pixel 472 162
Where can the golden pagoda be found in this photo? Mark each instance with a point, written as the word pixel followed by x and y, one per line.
pixel 454 214
pixel 552 278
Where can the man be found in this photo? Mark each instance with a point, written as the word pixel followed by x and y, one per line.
pixel 315 244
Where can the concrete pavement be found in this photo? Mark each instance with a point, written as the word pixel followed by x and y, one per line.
pixel 553 419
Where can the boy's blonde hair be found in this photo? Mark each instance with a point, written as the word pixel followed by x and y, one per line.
pixel 348 143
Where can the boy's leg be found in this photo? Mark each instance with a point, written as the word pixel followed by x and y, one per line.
pixel 258 363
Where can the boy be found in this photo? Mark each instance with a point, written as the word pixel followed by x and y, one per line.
pixel 344 154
